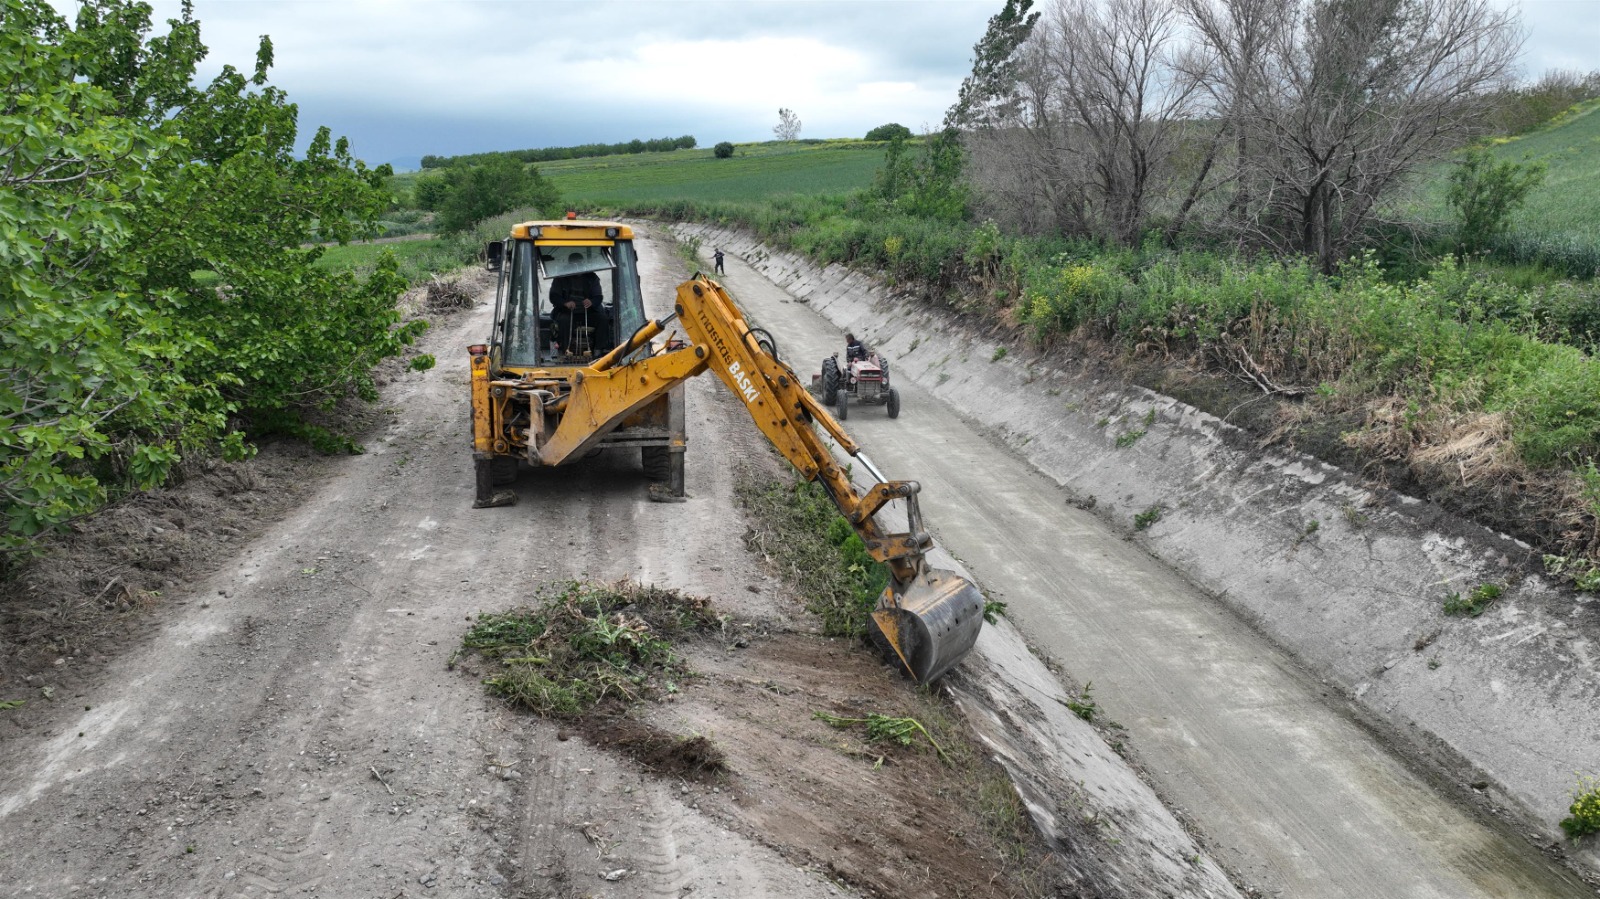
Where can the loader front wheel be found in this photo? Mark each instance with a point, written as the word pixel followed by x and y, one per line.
pixel 830 381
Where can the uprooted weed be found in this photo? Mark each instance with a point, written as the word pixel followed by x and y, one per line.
pixel 582 644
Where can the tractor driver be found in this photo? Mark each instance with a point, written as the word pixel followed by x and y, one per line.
pixel 853 349
pixel 573 300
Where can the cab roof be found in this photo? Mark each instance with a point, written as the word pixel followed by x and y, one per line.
pixel 567 230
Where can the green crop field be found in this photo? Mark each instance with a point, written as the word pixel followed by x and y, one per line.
pixel 1567 205
pixel 754 172
pixel 364 255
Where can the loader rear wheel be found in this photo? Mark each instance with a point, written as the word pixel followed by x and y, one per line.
pixel 657 462
pixel 844 405
pixel 502 470
pixel 488 497
pixel 894 403
pixel 830 381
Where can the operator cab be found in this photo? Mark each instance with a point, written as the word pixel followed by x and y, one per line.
pixel 548 263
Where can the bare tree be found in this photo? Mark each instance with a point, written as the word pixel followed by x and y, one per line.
pixel 1333 103
pixel 1311 113
pixel 1005 128
pixel 1123 103
pixel 1228 60
pixel 788 127
pixel 1097 110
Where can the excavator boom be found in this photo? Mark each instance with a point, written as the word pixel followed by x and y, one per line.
pixel 930 617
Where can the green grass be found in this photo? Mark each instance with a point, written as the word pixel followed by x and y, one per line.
pixel 1567 206
pixel 798 527
pixel 419 258
pixel 1474 603
pixel 755 172
pixel 357 256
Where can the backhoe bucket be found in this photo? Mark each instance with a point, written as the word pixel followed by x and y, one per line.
pixel 931 622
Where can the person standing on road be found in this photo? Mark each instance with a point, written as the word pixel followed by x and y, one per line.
pixel 716 257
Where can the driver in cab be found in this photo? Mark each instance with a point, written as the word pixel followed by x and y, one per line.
pixel 573 299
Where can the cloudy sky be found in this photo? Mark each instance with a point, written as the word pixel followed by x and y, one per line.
pixel 403 78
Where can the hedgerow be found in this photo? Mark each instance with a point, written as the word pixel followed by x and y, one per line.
pixel 160 292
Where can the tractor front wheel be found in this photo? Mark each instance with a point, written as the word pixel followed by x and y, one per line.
pixel 844 405
pixel 894 403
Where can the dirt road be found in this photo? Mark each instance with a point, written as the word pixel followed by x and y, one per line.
pixel 293 728
pixel 1293 795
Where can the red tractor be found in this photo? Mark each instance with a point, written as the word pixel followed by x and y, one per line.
pixel 863 379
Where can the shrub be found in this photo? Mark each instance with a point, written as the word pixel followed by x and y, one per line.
pixel 889 132
pixel 474 193
pixel 1584 814
pixel 723 150
pixel 1484 194
pixel 160 286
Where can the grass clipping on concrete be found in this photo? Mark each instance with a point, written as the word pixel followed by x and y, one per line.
pixel 579 645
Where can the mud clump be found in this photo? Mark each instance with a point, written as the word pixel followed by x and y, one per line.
pixel 663 754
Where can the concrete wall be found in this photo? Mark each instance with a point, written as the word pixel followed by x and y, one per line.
pixel 1509 701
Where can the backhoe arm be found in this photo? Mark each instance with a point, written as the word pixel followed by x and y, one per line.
pixel 783 410
pixel 929 616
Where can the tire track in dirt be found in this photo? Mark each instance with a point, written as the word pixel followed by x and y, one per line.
pixel 659 859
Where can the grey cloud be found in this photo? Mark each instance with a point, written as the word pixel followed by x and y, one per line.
pixel 408 78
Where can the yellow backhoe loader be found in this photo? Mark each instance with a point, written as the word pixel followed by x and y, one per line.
pixel 572 365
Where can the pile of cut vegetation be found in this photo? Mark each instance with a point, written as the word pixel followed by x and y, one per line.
pixel 580 645
pixel 585 653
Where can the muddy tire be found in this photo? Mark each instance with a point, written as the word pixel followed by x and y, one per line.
pixel 502 470
pixel 894 403
pixel 844 406
pixel 830 381
pixel 657 462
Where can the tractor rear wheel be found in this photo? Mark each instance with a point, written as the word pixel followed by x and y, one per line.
pixel 894 403
pixel 830 381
